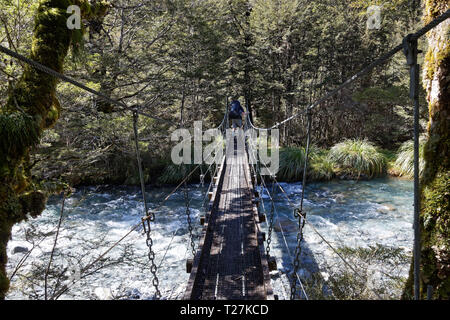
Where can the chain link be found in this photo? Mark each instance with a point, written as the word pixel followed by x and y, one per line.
pixel 298 214
pixel 149 215
pixel 272 213
pixel 202 180
pixel 188 217
pixel 151 258
pixel 202 176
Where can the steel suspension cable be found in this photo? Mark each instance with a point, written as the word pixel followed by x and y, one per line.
pixel 188 217
pixel 209 187
pixel 369 67
pixel 272 212
pixel 301 215
pixel 263 183
pixel 147 230
pixel 43 68
pixel 322 237
pixel 284 237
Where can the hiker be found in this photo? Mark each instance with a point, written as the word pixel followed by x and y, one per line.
pixel 235 114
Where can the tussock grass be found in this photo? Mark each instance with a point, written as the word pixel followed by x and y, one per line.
pixel 292 162
pixel 321 168
pixel 404 163
pixel 356 158
pixel 174 174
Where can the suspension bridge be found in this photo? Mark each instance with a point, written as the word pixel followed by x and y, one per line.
pixel 232 260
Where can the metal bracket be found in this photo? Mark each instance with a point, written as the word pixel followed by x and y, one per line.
pixel 410 50
pixel 143 225
pixel 309 112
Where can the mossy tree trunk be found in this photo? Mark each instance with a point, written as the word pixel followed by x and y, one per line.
pixel 435 184
pixel 30 109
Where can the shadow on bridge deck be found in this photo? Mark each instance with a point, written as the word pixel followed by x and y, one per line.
pixel 231 262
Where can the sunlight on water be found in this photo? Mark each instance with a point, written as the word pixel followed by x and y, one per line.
pixel 346 213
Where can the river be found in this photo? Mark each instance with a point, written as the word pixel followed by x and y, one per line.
pixel 366 223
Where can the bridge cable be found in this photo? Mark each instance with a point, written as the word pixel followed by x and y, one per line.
pixel 188 200
pixel 45 69
pixel 272 211
pixel 282 231
pixel 188 217
pixel 149 240
pixel 281 228
pixel 323 238
pixel 369 67
pixel 212 174
pixel 299 213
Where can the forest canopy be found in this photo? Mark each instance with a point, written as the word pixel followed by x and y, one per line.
pixel 179 60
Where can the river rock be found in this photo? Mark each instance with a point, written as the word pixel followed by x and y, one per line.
pixel 133 294
pixel 20 249
pixel 386 208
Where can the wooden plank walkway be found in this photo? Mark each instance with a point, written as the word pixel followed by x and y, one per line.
pixel 230 262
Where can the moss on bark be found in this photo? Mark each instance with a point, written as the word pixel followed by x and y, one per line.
pixel 435 185
pixel 31 108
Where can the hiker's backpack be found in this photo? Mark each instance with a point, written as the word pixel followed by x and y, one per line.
pixel 235 110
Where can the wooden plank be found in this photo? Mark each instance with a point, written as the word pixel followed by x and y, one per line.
pixel 262 255
pixel 195 275
pixel 232 262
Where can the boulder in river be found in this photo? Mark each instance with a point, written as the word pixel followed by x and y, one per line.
pixel 133 294
pixel 20 249
pixel 386 208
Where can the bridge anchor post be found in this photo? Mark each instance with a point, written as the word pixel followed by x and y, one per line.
pixel 272 262
pixel 410 50
pixel 189 264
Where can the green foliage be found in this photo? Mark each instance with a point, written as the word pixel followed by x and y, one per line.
pixel 379 253
pixel 355 158
pixel 294 51
pixel 404 163
pixel 320 168
pixel 435 220
pixel 346 285
pixel 292 162
pixel 18 131
pixel 435 216
pixel 392 94
pixel 30 108
pixel 380 274
pixel 174 174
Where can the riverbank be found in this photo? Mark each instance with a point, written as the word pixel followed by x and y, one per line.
pixel 349 160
